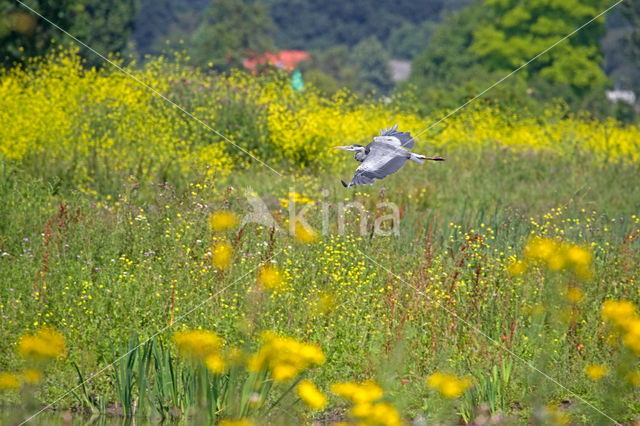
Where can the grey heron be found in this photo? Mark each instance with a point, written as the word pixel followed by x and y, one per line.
pixel 384 156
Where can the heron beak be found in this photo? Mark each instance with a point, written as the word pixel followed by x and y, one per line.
pixel 344 148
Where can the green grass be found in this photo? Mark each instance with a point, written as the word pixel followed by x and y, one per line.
pixel 104 267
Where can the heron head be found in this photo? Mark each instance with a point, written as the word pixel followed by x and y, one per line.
pixel 354 147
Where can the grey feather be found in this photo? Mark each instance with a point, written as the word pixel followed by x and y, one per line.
pixel 405 137
pixel 382 161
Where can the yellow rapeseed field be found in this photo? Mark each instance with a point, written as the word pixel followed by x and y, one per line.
pixel 92 122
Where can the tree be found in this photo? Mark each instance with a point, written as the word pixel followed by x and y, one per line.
pixel 161 20
pixel 304 24
pixel 517 31
pixel 631 11
pixel 24 35
pixel 448 73
pixel 103 26
pixel 232 29
pixel 371 63
pixel 409 40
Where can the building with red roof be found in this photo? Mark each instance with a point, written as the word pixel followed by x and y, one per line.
pixel 285 59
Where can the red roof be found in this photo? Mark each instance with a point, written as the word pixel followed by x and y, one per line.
pixel 284 59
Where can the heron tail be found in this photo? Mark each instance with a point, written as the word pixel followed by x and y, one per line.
pixel 417 158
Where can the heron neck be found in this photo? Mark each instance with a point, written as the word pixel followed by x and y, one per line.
pixel 360 156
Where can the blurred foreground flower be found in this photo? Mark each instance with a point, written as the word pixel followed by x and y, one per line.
pixel 221 256
pixel 596 371
pixel 223 220
pixel 44 345
pixel 448 385
pixel 32 376
pixel 238 422
pixel 358 392
pixel 284 357
pixel 9 381
pixel 270 277
pixel 368 409
pixel 201 345
pixel 558 255
pixel 304 234
pixel 309 393
pixel 626 321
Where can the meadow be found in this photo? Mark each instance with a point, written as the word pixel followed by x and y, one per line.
pixel 131 287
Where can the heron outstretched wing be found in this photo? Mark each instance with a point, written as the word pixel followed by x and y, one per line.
pixel 406 141
pixel 383 160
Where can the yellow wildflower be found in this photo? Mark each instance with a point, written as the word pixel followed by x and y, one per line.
pixel 215 364
pixel 380 413
pixel 284 357
pixel 574 294
pixel 32 376
pixel 309 393
pixel 325 303
pixel 9 381
pixel 198 344
pixel 557 255
pixel 270 277
pixel 620 312
pixel 596 371
pixel 517 267
pixel 448 385
pixel 634 378
pixel 221 256
pixel 221 221
pixel 541 249
pixel 304 234
pixel 358 393
pixel 579 256
pixel 238 422
pixel 44 345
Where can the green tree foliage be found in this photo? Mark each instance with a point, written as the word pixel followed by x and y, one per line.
pixel 631 11
pixel 370 61
pixel 304 24
pixel 23 34
pixel 105 26
pixel 517 31
pixel 231 30
pixel 363 68
pixel 160 21
pixel 409 40
pixel 448 73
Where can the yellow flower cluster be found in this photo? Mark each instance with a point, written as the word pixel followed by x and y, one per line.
pixel 284 357
pixel 309 393
pixel 98 119
pixel 368 407
pixel 9 381
pixel 296 198
pixel 449 385
pixel 596 371
pixel 221 256
pixel 624 316
pixel 223 220
pixel 305 234
pixel 557 255
pixel 238 422
pixel 32 376
pixel 44 345
pixel 203 346
pixel 270 277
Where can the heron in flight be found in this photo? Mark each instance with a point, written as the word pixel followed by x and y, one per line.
pixel 384 156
